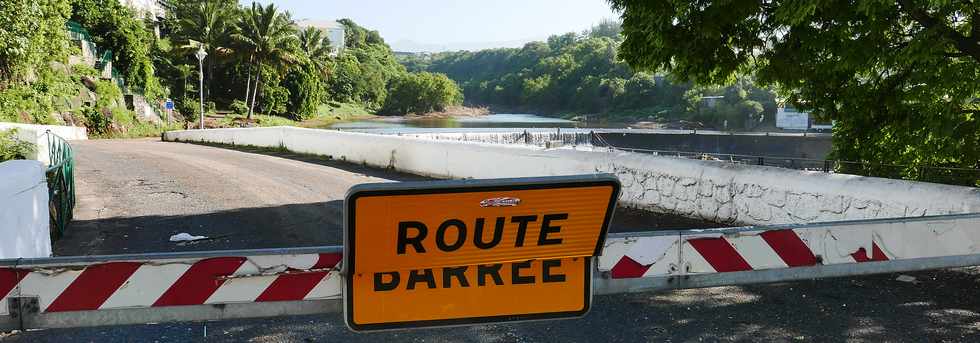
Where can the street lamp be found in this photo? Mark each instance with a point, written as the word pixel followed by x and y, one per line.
pixel 201 54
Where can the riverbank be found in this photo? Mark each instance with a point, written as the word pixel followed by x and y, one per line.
pixel 338 113
pixel 452 112
pixel 606 119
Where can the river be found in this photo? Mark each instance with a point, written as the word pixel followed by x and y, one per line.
pixel 497 120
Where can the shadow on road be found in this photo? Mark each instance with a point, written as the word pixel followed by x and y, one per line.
pixel 293 225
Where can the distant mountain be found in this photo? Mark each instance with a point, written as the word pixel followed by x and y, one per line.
pixel 413 46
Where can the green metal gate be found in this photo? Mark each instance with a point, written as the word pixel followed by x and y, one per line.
pixel 61 184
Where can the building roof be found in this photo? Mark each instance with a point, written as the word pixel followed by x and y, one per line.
pixel 322 24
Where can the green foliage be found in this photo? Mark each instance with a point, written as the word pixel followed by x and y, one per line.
pixel 207 24
pixel 898 77
pixel 32 33
pixel 275 99
pixel 581 74
pixel 80 70
pixel 305 92
pixel 264 120
pixel 315 47
pixel 141 129
pixel 340 110
pixel 109 95
pixel 421 93
pixel 97 122
pixel 239 107
pixel 33 42
pixel 363 71
pixel 118 29
pixel 270 36
pixel 34 102
pixel 12 148
pixel 189 107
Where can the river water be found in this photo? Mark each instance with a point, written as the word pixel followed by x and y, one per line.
pixel 498 120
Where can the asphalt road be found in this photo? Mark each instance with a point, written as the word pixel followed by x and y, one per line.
pixel 132 195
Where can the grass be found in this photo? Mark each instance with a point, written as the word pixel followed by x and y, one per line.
pixel 334 112
pixel 140 130
pixel 327 114
pixel 266 120
pixel 12 148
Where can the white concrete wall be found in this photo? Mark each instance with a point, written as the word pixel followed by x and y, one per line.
pixel 24 217
pixel 37 135
pixel 716 191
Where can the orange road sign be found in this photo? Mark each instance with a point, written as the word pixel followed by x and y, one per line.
pixel 440 253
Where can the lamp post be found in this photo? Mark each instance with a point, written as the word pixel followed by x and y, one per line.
pixel 201 54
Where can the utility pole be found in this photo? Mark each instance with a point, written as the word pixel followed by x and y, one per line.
pixel 201 54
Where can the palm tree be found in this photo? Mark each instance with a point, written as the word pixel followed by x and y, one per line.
pixel 209 24
pixel 184 71
pixel 271 35
pixel 315 46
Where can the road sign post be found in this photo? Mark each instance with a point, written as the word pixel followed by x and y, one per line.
pixel 463 252
pixel 169 106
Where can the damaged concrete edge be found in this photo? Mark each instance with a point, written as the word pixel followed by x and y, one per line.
pixel 688 281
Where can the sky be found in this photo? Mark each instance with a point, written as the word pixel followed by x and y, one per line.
pixel 436 25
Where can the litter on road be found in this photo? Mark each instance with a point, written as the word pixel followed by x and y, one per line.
pixel 186 237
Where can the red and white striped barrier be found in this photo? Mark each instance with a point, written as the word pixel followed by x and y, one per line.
pixel 746 249
pixel 172 282
pixel 631 262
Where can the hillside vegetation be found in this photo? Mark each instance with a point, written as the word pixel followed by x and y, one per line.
pixel 580 73
pixel 259 64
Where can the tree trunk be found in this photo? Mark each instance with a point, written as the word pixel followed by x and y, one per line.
pixel 255 94
pixel 248 80
pixel 208 77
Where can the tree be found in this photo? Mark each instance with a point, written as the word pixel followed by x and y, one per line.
pixel 305 91
pixel 609 28
pixel 315 47
pixel 271 34
pixel 365 68
pixel 898 77
pixel 119 30
pixel 421 93
pixel 209 23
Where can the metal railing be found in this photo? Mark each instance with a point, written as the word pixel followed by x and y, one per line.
pixel 61 184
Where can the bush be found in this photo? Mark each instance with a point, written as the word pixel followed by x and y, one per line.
pixel 97 122
pixel 12 148
pixel 108 93
pixel 34 103
pixel 421 93
pixel 239 107
pixel 189 108
pixel 305 92
pixel 84 70
pixel 122 117
pixel 274 100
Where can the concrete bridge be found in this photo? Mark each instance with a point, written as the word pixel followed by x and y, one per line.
pixel 134 194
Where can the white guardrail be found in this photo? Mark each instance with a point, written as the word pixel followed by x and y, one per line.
pixel 129 289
